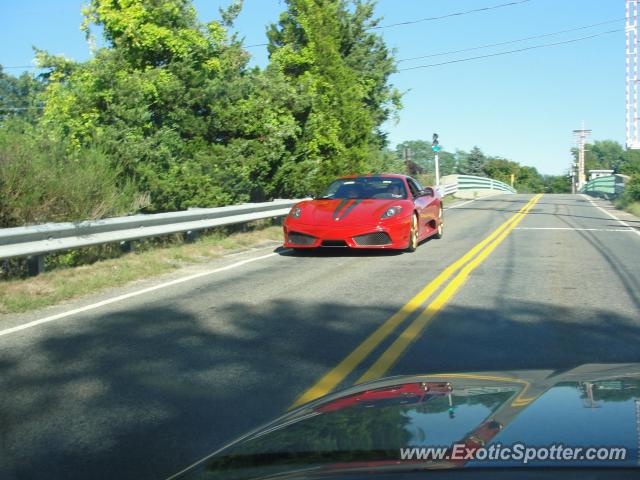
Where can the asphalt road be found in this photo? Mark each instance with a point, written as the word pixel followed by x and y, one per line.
pixel 141 387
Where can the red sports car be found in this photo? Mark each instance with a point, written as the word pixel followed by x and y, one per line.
pixel 372 211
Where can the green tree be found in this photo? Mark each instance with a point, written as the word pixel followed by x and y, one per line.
pixel 631 163
pixel 529 180
pixel 603 155
pixel 340 70
pixel 501 169
pixel 19 97
pixel 557 183
pixel 475 162
pixel 423 155
pixel 175 104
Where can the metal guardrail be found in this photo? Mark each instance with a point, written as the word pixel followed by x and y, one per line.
pixel 36 241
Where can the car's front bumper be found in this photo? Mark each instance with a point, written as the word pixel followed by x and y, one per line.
pixel 297 235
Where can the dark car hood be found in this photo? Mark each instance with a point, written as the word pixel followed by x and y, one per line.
pixel 362 429
pixel 345 212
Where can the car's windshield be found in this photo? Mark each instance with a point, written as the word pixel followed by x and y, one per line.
pixel 366 187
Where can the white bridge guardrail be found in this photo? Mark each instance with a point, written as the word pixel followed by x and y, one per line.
pixel 36 241
pixel 449 189
pixel 471 182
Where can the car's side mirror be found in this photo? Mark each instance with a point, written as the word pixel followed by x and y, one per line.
pixel 428 191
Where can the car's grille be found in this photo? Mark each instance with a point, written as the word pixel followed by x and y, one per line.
pixel 377 238
pixel 334 243
pixel 300 238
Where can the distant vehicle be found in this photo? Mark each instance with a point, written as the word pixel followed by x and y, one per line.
pixel 374 211
pixel 571 423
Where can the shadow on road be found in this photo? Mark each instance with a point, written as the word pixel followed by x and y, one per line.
pixel 140 393
pixel 530 336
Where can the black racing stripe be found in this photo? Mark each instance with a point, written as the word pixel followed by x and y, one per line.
pixel 349 208
pixel 336 212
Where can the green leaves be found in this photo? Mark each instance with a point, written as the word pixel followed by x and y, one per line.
pixel 173 109
pixel 325 53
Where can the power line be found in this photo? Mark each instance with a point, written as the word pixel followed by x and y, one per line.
pixel 16 109
pixel 20 66
pixel 429 19
pixel 457 14
pixel 489 45
pixel 511 51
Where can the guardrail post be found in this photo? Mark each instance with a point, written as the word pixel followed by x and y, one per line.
pixel 35 265
pixel 126 246
pixel 191 236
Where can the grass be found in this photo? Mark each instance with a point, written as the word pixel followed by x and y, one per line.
pixel 50 288
pixel 633 208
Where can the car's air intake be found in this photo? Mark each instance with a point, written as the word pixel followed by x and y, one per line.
pixel 334 243
pixel 373 239
pixel 300 238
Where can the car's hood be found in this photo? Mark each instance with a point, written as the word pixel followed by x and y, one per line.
pixel 364 428
pixel 346 212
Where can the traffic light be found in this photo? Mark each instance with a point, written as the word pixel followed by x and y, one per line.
pixel 435 144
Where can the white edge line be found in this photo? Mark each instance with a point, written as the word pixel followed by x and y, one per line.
pixel 456 205
pixel 622 222
pixel 119 298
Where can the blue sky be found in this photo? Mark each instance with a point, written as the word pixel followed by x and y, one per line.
pixel 521 106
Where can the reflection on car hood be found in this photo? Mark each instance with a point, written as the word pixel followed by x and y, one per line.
pixel 363 428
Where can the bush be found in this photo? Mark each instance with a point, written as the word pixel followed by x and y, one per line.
pixel 41 182
pixel 632 189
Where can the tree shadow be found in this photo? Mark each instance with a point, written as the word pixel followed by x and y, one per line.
pixel 527 335
pixel 144 392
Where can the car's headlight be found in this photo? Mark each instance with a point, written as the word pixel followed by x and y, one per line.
pixel 295 212
pixel 390 212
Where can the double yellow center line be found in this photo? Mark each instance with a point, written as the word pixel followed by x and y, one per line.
pixel 466 264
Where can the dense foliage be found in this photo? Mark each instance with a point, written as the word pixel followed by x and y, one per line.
pixel 171 108
pixel 169 114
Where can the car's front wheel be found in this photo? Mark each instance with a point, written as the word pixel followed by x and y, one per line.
pixel 413 234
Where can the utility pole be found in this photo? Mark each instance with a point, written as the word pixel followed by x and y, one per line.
pixel 435 146
pixel 407 156
pixel 581 139
pixel 631 32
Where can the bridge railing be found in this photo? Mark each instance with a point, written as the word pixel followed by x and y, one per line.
pixel 454 183
pixel 609 186
pixel 448 189
pixel 471 182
